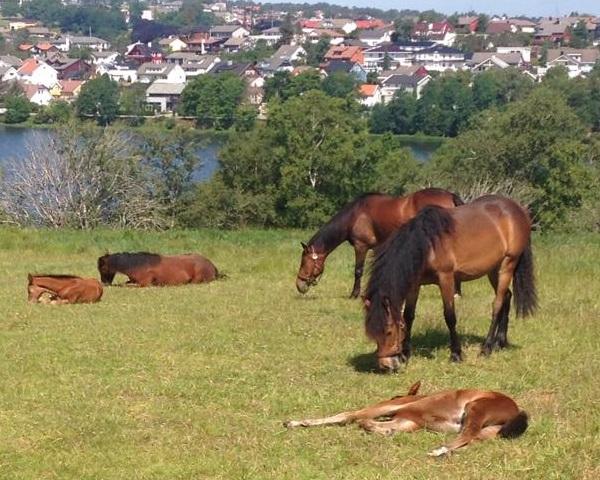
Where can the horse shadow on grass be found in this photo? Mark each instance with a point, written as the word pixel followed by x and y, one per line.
pixel 424 344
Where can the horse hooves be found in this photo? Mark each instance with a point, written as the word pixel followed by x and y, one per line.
pixel 354 295
pixel 485 352
pixel 456 357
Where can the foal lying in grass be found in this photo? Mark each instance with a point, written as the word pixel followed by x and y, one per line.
pixel 475 414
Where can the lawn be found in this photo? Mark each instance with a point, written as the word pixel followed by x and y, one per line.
pixel 195 381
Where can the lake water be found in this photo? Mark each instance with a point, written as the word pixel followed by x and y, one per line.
pixel 14 142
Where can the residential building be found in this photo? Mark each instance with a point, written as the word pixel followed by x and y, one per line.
pixel 66 42
pixel 270 36
pixel 173 44
pixel 370 95
pixel 439 32
pixel 228 31
pixel 164 95
pixel 467 24
pixel 38 94
pixel 376 36
pixel 283 59
pixel 351 68
pixel 481 61
pixel 412 84
pixel 8 73
pixel 555 31
pixel 524 51
pixel 37 72
pixel 432 56
pixel 166 72
pixel 576 61
pixel 346 53
pixel 66 90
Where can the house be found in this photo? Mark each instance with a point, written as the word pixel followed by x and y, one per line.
pixel 270 36
pixel 195 38
pixel 376 36
pixel 38 94
pixel 235 44
pixel 283 59
pixel 104 57
pixel 524 51
pixel 242 70
pixel 173 44
pixel 467 23
pixel 349 54
pixel 8 73
pixel 37 72
pixel 164 95
pixel 406 83
pixel 228 31
pixel 345 25
pixel 68 68
pixel 66 90
pixel 554 31
pixel 141 53
pixel 10 60
pixel 66 42
pixel 166 72
pixel 498 27
pixel 522 25
pixel 576 61
pixel 21 23
pixel 412 70
pixel 119 72
pixel 369 23
pixel 313 36
pixel 370 95
pixel 351 68
pixel 439 32
pixel 40 32
pixel 481 61
pixel 432 56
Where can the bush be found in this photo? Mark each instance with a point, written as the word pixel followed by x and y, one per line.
pixel 18 109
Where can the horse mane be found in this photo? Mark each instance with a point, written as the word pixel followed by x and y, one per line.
pixel 126 260
pixel 334 231
pixel 399 262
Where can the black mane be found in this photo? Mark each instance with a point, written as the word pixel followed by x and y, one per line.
pixel 399 263
pixel 335 231
pixel 127 260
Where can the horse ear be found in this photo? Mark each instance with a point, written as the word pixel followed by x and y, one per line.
pixel 414 388
pixel 304 247
pixel 29 278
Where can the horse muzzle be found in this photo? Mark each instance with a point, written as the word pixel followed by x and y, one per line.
pixel 302 285
pixel 389 364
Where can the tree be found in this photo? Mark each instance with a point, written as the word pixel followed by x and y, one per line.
pixel 387 62
pixel 372 78
pixel 18 109
pixel 339 84
pixel 133 100
pixel 482 22
pixel 283 86
pixel 10 8
pixel 403 27
pixel 212 99
pixel 541 153
pixel 80 178
pixel 287 30
pixel 99 98
pixel 315 52
pixel 580 37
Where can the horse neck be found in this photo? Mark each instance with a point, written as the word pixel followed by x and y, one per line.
pixel 331 235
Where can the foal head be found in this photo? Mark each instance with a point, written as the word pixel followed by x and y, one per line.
pixel 312 265
pixel 386 327
pixel 107 273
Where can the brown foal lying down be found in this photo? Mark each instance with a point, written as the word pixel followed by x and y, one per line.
pixel 475 414
pixel 63 289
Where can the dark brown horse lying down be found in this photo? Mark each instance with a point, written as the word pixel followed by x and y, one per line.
pixel 146 269
pixel 63 289
pixel 474 414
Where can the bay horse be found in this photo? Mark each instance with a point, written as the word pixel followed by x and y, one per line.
pixel 146 269
pixel 489 236
pixel 474 414
pixel 63 289
pixel 365 223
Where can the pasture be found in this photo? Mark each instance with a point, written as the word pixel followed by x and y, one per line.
pixel 195 381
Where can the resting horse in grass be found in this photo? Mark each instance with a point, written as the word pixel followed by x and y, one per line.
pixel 364 223
pixel 146 269
pixel 63 289
pixel 490 236
pixel 475 414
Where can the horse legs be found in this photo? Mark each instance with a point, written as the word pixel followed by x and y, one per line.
pixel 502 333
pixel 409 315
pixel 447 289
pixel 360 253
pixel 500 280
pixel 389 427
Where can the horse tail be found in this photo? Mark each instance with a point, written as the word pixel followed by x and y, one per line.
pixel 516 426
pixel 457 200
pixel 526 301
pixel 399 261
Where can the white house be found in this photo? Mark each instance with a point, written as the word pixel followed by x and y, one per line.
pixel 407 83
pixel 375 37
pixel 577 61
pixel 38 94
pixel 174 44
pixel 37 72
pixel 283 59
pixel 105 57
pixel 370 95
pixel 118 73
pixel 168 72
pixel 524 51
pixel 228 31
pixel 270 36
pixel 164 94
pixel 8 73
pixel 66 42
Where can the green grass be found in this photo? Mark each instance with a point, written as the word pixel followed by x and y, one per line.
pixel 194 381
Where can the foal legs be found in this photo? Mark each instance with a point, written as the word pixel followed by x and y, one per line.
pixel 447 288
pixel 360 253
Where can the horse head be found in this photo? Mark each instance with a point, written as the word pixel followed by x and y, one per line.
pixel 312 264
pixel 107 273
pixel 387 328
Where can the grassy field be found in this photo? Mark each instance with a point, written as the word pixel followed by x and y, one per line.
pixel 194 381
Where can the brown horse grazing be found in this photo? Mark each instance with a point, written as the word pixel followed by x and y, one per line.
pixel 365 223
pixel 63 289
pixel 146 269
pixel 475 414
pixel 490 236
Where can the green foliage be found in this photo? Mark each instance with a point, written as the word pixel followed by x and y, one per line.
pixel 403 28
pixel 259 52
pixel 312 156
pixel 287 30
pixel 340 84
pixel 58 111
pixel 10 8
pixel 398 116
pixel 132 99
pixel 99 98
pixel 283 86
pixel 18 109
pixel 315 52
pixel 580 37
pixel 446 104
pixel 495 88
pixel 482 22
pixel 190 14
pixel 212 99
pixel 245 118
pixel 543 153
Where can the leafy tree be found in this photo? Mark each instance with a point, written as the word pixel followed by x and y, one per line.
pixel 48 11
pixel 402 29
pixel 10 8
pixel 482 22
pixel 339 84
pixel 372 78
pixel 99 98
pixel 387 62
pixel 400 115
pixel 212 99
pixel 283 86
pixel 133 100
pixel 579 35
pixel 497 88
pixel 315 52
pixel 18 109
pixel 287 30
pixel 542 153
pixel 245 118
